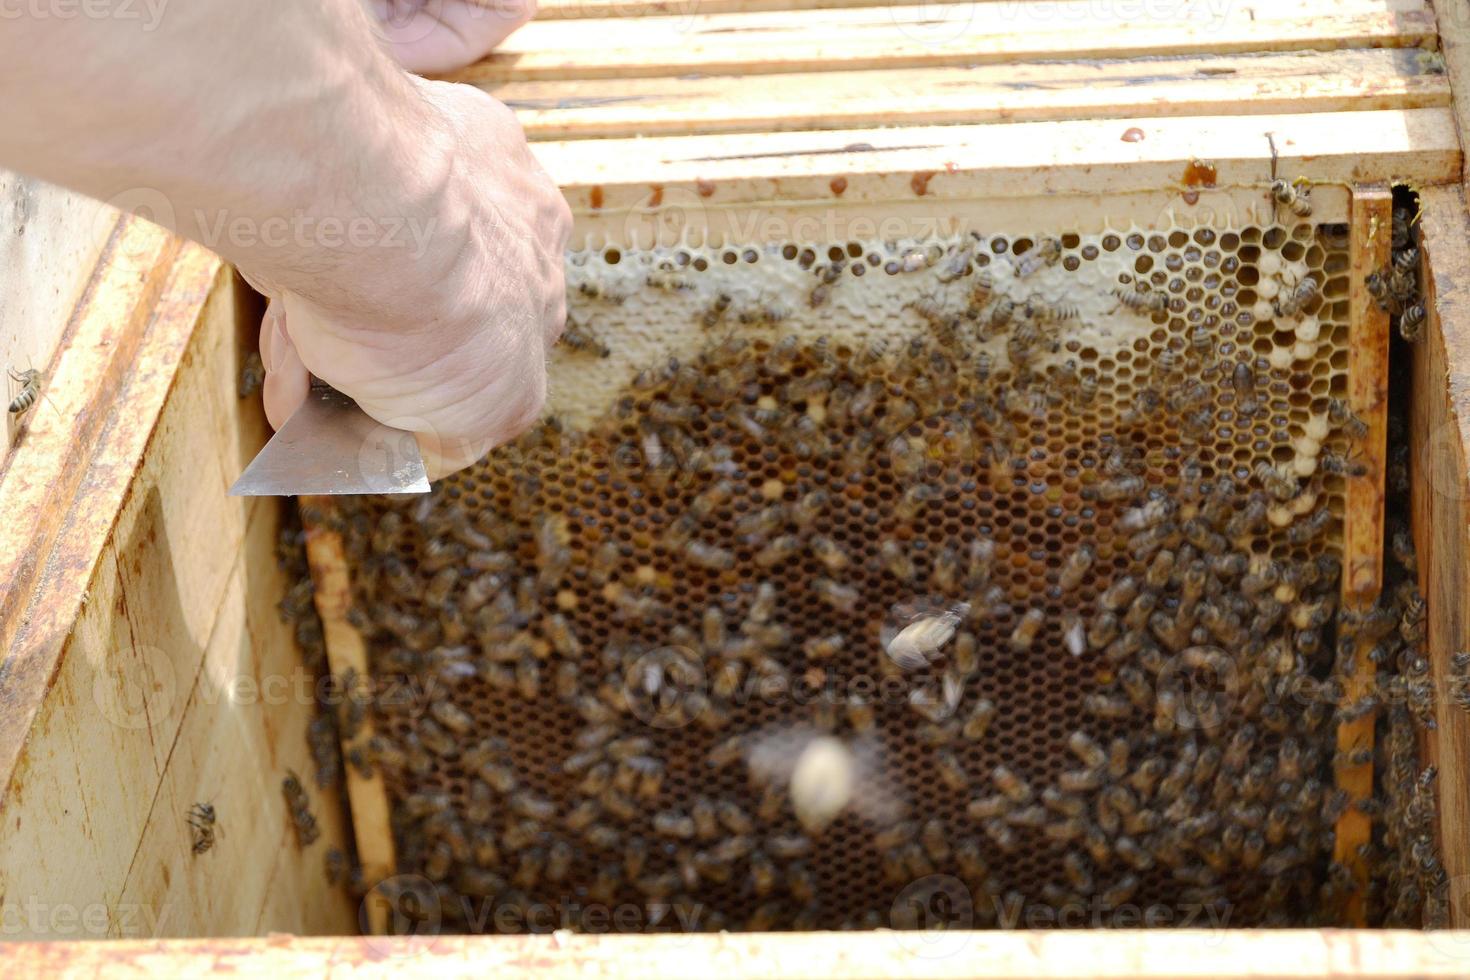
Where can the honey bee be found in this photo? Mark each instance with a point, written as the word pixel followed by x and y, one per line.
pixel 30 389
pixel 823 647
pixel 1142 302
pixel 1276 483
pixel 1292 302
pixel 603 290
pixel 452 717
pixel 1044 253
pixel 843 598
pixel 1338 465
pixel 1076 567
pixel 1026 631
pixel 1411 322
pixel 710 557
pixel 896 560
pixel 202 822
pixel 581 338
pixel 778 550
pixel 299 808
pixel 916 645
pixel 979 720
pixel 829 553
pixel 1295 195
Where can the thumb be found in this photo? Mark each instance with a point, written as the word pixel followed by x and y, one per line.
pixel 286 378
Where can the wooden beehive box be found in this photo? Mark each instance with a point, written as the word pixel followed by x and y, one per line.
pixel 146 669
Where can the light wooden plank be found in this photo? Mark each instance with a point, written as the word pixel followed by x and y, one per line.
pixel 1283 83
pixel 244 726
pixel 1453 23
pixel 587 9
pixel 584 9
pixel 347 653
pixel 1362 564
pixel 58 444
pixel 128 728
pixel 1440 432
pixel 49 243
pixel 1059 955
pixel 713 185
pixel 899 37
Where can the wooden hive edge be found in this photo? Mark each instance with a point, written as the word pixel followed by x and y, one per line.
pixel 1440 433
pixel 1060 955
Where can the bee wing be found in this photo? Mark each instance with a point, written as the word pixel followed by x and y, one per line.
pixel 876 797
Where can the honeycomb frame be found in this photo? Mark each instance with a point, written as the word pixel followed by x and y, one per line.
pixel 644 306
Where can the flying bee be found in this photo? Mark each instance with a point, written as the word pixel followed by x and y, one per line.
pixel 917 644
pixel 1295 195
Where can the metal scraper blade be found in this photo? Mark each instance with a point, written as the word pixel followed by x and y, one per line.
pixel 332 446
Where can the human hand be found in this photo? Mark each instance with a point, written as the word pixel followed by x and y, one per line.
pixel 437 36
pixel 450 345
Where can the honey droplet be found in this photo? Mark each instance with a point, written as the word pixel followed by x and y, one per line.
pixel 1133 135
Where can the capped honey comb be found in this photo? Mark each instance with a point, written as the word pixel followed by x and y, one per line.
pixel 1117 454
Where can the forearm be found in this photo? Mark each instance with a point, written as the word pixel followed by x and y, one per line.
pixel 271 131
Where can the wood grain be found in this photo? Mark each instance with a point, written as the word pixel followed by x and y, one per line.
pixel 151 606
pixel 1440 427
pixel 1362 539
pixel 50 240
pixel 1060 955
pixel 347 653
pixel 910 37
pixel 1258 84
pixel 713 184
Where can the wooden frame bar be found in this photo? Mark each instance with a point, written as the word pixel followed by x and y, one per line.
pixel 1283 83
pixel 912 37
pixel 347 654
pixel 1063 955
pixel 1362 562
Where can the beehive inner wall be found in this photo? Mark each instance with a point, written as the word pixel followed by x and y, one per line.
pixel 807 413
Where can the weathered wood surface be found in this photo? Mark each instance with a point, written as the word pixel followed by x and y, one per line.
pixel 1294 82
pixel 912 36
pixel 1060 955
pixel 145 667
pixel 1440 428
